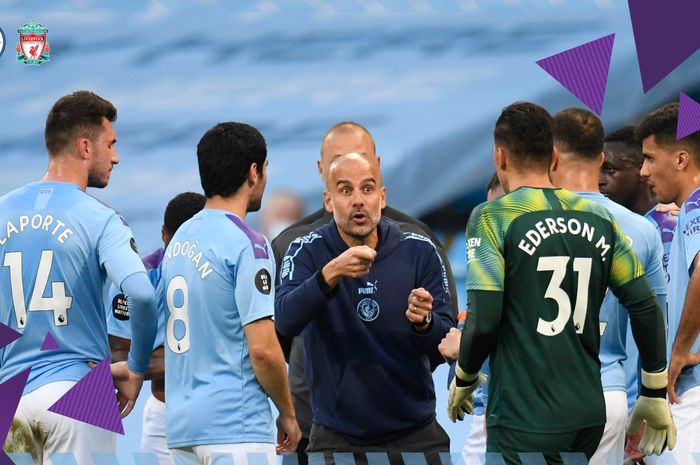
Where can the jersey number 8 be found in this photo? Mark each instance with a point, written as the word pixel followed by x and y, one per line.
pixel 181 345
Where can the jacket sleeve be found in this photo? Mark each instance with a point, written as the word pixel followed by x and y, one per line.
pixel 300 295
pixel 433 278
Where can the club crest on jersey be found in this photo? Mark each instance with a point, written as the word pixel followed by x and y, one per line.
pixel 33 48
pixel 368 309
pixel 370 288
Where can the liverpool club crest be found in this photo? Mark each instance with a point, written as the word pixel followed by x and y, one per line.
pixel 33 48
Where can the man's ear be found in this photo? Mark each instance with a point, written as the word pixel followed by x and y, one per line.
pixel 253 174
pixel 382 191
pixel 83 146
pixel 327 202
pixel 554 164
pixel 682 159
pixel 499 158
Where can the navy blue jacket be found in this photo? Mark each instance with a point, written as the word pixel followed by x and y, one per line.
pixel 368 369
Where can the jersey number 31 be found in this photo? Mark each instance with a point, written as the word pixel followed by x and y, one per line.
pixel 582 267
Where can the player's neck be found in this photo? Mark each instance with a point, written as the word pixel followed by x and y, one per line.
pixel 688 183
pixel 537 180
pixel 66 170
pixel 643 201
pixel 236 204
pixel 577 177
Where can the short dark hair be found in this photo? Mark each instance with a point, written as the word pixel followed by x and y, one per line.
pixel 633 146
pixel 580 132
pixel 525 129
pixel 225 154
pixel 76 115
pixel 662 123
pixel 181 208
pixel 494 182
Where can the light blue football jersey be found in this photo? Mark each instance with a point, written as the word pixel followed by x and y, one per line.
pixel 58 248
pixel 665 224
pixel 118 309
pixel 614 319
pixel 684 248
pixel 219 277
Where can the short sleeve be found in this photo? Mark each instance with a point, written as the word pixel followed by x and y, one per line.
pixel 117 313
pixel 254 278
pixel 690 228
pixel 485 262
pixel 117 252
pixel 654 267
pixel 625 264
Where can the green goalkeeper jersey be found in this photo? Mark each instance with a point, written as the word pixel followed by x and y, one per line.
pixel 553 255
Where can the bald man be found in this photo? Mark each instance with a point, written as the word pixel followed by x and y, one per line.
pixel 373 304
pixel 342 138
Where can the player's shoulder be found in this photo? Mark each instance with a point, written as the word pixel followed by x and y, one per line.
pixel 690 209
pixel 309 239
pixel 153 260
pixel 248 238
pixel 627 219
pixel 573 201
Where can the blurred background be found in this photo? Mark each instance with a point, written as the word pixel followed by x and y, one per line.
pixel 428 78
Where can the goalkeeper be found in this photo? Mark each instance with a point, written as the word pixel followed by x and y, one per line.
pixel 540 260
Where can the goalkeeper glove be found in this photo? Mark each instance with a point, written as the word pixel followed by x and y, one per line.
pixel 652 408
pixel 461 397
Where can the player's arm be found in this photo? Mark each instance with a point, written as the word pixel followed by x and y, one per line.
pixel 125 269
pixel 280 245
pixel 688 329
pixel 255 297
pixel 304 291
pixel 271 372
pixel 485 284
pixel 119 332
pixel 628 283
pixel 431 299
pixel 119 348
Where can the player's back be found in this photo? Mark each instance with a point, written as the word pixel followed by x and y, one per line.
pixel 212 266
pixel 557 251
pixel 642 236
pixel 52 278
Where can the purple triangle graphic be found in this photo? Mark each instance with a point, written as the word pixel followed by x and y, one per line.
pixel 688 117
pixel 665 34
pixel 583 70
pixel 92 400
pixel 5 459
pixel 50 343
pixel 10 393
pixel 8 335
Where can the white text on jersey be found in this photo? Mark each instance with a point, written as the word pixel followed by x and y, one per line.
pixel 189 250
pixel 38 222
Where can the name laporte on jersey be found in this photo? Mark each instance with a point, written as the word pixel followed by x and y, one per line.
pixel 54 226
pixel 548 227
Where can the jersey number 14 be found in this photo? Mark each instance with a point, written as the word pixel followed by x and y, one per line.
pixel 59 303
